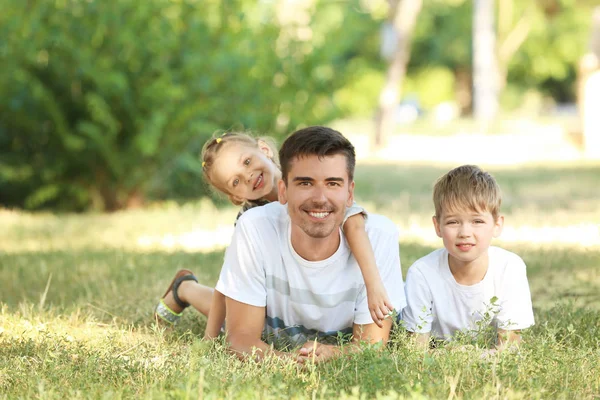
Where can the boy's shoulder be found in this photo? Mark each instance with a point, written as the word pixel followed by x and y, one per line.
pixel 504 259
pixel 503 256
pixel 431 262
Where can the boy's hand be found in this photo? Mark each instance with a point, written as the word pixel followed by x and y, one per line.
pixel 380 305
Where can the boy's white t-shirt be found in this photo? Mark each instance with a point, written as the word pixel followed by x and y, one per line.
pixel 305 299
pixel 440 305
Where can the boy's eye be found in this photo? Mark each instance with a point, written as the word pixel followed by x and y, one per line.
pixel 235 182
pixel 479 221
pixel 451 222
pixel 247 161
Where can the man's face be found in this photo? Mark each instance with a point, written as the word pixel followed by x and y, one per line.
pixel 317 194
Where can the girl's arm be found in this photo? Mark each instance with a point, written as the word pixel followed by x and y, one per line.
pixel 379 303
pixel 216 316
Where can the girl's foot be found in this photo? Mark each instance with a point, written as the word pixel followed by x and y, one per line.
pixel 170 307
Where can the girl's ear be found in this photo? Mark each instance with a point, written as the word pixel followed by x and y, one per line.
pixel 238 201
pixel 265 148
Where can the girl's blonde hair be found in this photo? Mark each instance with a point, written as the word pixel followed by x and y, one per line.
pixel 212 147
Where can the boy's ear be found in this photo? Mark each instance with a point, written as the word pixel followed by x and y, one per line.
pixel 498 226
pixel 282 191
pixel 436 224
pixel 265 148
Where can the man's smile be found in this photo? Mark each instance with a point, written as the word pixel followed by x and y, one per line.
pixel 319 214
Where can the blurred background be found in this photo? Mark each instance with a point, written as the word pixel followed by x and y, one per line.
pixel 104 105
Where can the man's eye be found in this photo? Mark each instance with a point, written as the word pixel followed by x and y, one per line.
pixel 236 182
pixel 247 162
pixel 304 183
pixel 334 183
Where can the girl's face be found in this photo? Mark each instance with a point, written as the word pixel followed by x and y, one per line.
pixel 245 172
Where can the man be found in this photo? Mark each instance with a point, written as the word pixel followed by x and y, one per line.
pixel 289 274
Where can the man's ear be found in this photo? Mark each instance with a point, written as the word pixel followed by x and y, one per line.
pixel 436 224
pixel 498 226
pixel 350 195
pixel 282 191
pixel 265 148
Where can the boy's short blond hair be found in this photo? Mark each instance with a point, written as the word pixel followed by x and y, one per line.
pixel 467 187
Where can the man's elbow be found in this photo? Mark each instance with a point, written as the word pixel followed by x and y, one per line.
pixel 241 345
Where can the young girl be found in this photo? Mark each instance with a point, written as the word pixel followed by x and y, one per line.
pixel 246 169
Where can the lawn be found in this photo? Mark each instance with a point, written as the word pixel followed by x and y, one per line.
pixel 77 293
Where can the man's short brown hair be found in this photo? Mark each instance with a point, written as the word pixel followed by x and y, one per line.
pixel 467 187
pixel 316 141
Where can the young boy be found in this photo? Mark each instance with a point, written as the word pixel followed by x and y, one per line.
pixel 451 289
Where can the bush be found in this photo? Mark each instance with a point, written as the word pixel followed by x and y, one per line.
pixel 103 101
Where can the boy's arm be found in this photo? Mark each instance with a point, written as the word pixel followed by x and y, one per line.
pixel 358 240
pixel 508 339
pixel 422 339
pixel 418 314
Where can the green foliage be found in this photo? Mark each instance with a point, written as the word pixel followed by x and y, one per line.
pixel 102 101
pixel 432 85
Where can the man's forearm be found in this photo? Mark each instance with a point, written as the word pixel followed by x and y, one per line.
pixel 256 349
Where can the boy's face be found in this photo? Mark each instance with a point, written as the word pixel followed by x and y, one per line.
pixel 467 234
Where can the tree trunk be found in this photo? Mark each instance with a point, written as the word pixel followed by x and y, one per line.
pixel 402 18
pixel 485 68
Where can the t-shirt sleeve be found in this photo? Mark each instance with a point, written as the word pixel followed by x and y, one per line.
pixel 418 314
pixel 387 256
pixel 242 276
pixel 352 211
pixel 516 310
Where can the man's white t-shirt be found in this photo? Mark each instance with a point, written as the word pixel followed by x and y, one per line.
pixel 440 305
pixel 303 299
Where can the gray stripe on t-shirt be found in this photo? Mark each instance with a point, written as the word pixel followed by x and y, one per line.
pixel 278 333
pixel 304 296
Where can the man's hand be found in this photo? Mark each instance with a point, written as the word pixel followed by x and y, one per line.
pixel 317 352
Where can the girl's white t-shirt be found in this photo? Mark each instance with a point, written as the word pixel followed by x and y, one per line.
pixel 440 305
pixel 303 299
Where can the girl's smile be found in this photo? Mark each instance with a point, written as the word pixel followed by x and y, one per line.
pixel 245 173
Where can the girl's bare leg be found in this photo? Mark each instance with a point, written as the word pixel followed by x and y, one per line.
pixel 199 297
pixel 216 316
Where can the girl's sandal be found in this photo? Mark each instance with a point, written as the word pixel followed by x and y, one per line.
pixel 163 313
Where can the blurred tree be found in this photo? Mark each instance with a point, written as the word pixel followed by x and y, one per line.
pixel 538 45
pixel 399 28
pixel 485 67
pixel 103 102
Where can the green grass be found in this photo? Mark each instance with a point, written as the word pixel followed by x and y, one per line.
pixel 77 292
